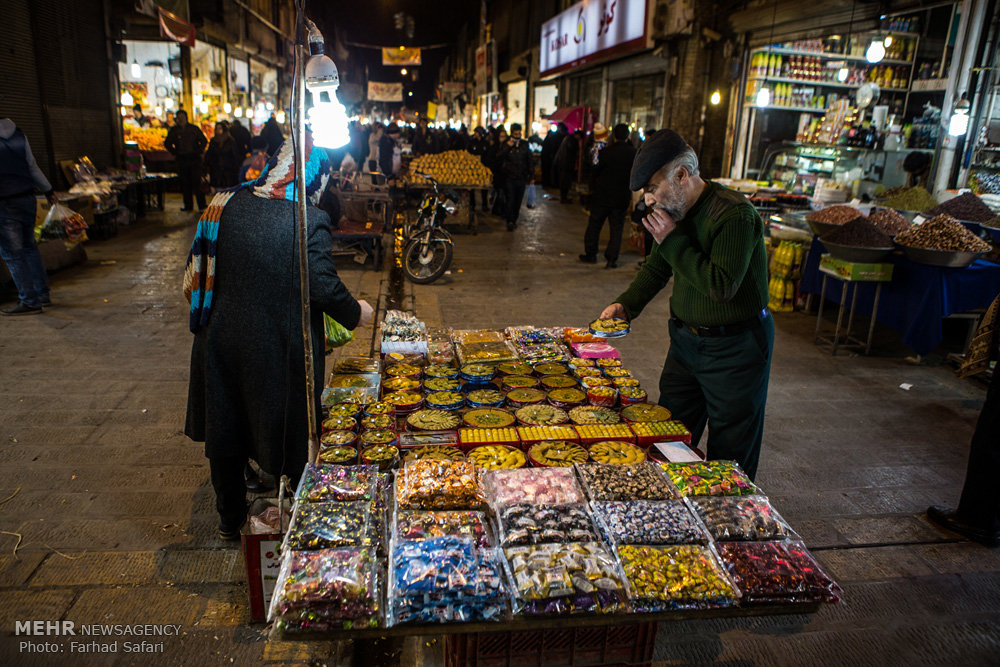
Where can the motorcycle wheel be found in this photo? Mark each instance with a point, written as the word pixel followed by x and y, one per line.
pixel 425 263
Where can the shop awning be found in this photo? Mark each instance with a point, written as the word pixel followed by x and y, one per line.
pixel 175 28
pixel 573 117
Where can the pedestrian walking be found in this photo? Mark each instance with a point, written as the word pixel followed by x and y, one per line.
pixel 609 198
pixel 498 139
pixel 242 137
pixel 222 158
pixel 710 239
pixel 373 141
pixel 565 165
pixel 19 177
pixel 246 396
pixel 272 132
pixel 390 158
pixel 186 143
pixel 515 162
pixel 550 146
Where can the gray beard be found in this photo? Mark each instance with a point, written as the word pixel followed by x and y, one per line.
pixel 672 211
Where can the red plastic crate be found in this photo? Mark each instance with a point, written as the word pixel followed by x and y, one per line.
pixel 628 644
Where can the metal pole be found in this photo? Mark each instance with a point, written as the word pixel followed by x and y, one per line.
pixel 300 203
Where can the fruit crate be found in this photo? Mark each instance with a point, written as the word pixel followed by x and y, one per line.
pixel 630 644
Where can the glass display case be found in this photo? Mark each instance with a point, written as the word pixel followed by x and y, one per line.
pixel 797 167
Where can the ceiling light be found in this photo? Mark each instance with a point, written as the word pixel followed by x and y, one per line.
pixel 716 98
pixel 959 123
pixel 227 107
pixel 126 99
pixel 763 96
pixel 136 69
pixel 327 117
pixel 238 112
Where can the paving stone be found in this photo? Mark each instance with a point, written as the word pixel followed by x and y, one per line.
pixel 959 558
pixel 885 530
pixel 15 571
pixel 147 604
pixel 872 564
pixel 101 568
pixel 21 605
pixel 195 566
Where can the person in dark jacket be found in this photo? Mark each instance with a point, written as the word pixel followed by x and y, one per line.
pixel 424 141
pixel 186 143
pixel 515 163
pixel 498 139
pixel 272 132
pixel 550 145
pixel 478 146
pixel 609 198
pixel 242 137
pixel 246 396
pixel 222 158
pixel 565 165
pixel 389 158
pixel 19 176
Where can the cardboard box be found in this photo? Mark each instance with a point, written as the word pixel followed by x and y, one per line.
pixel 855 271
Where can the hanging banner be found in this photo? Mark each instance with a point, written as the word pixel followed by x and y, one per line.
pixel 400 56
pixel 175 28
pixel 589 31
pixel 379 91
pixel 432 111
pixel 452 87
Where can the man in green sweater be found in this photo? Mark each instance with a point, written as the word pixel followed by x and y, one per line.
pixel 711 241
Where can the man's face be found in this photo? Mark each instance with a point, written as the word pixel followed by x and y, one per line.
pixel 182 119
pixel 516 134
pixel 665 191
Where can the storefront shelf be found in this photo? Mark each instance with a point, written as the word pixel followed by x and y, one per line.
pixel 832 56
pixel 825 84
pixel 782 108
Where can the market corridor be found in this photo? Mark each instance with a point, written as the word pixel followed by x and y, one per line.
pixel 113 520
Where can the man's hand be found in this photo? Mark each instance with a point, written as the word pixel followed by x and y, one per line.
pixel 367 312
pixel 659 223
pixel 615 310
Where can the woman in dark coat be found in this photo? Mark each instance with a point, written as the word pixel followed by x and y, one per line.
pixel 222 158
pixel 246 397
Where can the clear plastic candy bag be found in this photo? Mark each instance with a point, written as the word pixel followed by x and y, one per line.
pixel 439 484
pixel 328 525
pixel 710 478
pixel 336 483
pixel 413 525
pixel 741 518
pixel 641 481
pixel 523 524
pixel 540 486
pixel 649 522
pixel 684 576
pixel 776 572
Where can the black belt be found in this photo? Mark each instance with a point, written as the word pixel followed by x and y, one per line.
pixel 723 329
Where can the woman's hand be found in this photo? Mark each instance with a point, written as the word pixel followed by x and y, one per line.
pixel 367 312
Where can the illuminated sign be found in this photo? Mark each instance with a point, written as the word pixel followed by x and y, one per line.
pixel 589 31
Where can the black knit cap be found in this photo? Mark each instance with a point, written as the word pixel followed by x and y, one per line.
pixel 657 151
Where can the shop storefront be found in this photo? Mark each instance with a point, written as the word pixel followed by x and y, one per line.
pixel 151 78
pixel 239 84
pixel 544 102
pixel 517 103
pixel 263 93
pixel 613 74
pixel 842 109
pixel 208 85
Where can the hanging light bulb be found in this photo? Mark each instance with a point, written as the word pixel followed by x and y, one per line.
pixel 168 103
pixel 842 73
pixel 959 123
pixel 875 52
pixel 203 106
pixel 888 41
pixel 716 98
pixel 280 116
pixel 158 111
pixel 227 107
pixel 196 98
pixel 269 106
pixel 403 71
pixel 238 112
pixel 327 117
pixel 126 99
pixel 136 69
pixel 763 96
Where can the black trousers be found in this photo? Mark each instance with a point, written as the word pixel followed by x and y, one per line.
pixel 565 183
pixel 720 382
pixel 230 490
pixel 189 172
pixel 514 189
pixel 592 237
pixel 980 503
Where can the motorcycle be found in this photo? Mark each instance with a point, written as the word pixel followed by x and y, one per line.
pixel 428 248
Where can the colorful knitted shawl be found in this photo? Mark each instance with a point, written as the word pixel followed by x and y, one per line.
pixel 277 181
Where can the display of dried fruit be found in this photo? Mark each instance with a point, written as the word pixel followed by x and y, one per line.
pixel 837 214
pixel 539 415
pixel 592 414
pixel 557 453
pixel 433 420
pixel 942 232
pixel 890 221
pixel 488 418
